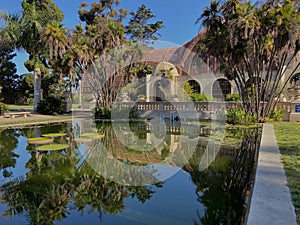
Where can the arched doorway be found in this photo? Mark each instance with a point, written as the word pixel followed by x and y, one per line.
pixel 159 94
pixel 220 89
pixel 161 84
pixel 195 86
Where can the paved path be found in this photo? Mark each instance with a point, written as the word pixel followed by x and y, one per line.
pixel 271 200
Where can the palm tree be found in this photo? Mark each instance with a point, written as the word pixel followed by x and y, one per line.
pixel 9 35
pixel 255 45
pixel 211 16
pixel 34 22
pixel 26 32
pixel 56 39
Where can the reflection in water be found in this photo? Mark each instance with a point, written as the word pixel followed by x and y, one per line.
pixel 65 186
pixel 226 185
pixel 8 142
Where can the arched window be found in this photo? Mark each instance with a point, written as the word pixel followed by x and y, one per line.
pixel 220 89
pixel 195 86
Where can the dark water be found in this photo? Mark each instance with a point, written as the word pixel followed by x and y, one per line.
pixel 183 175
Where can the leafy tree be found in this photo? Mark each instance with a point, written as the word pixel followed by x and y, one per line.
pixel 8 77
pixel 103 32
pixel 256 44
pixel 139 29
pixel 3 107
pixel 102 9
pixel 26 86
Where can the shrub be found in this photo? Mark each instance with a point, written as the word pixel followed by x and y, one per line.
pixel 51 106
pixel 239 117
pixel 102 113
pixel 29 101
pixel 275 115
pixel 122 113
pixel 197 97
pixel 235 97
pixel 3 108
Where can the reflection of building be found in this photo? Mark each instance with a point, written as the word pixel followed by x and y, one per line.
pixel 146 143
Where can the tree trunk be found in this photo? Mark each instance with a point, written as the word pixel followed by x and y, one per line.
pixel 37 80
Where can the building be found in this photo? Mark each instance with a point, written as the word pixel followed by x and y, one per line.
pixel 172 69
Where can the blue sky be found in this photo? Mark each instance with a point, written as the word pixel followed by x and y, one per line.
pixel 178 16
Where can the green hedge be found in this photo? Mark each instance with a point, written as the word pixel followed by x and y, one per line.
pixel 51 106
pixel 239 117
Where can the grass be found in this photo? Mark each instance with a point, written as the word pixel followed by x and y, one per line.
pixel 26 121
pixel 288 138
pixel 18 107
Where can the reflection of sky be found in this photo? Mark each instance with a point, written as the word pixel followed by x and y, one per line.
pixel 174 204
pixel 18 170
pixel 24 156
pixel 165 172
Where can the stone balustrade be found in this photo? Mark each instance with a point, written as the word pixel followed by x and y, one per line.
pixel 208 108
pixel 180 106
pixel 187 110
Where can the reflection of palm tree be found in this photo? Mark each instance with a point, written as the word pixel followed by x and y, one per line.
pixel 8 142
pixel 44 194
pixel 49 186
pixel 105 196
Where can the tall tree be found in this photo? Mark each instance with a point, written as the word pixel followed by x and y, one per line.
pixel 37 14
pixel 26 86
pixel 256 44
pixel 8 77
pixel 57 41
pixel 139 28
pixel 27 32
pixel 101 32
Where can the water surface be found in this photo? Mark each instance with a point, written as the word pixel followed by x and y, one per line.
pixel 207 185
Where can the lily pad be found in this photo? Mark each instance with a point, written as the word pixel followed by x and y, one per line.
pixel 54 135
pixel 53 147
pixel 39 140
pixel 82 139
pixel 92 135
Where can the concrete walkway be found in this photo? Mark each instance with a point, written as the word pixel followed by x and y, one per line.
pixel 271 200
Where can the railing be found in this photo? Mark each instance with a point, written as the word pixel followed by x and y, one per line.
pixel 181 106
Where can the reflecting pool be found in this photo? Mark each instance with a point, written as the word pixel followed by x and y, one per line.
pixel 72 173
